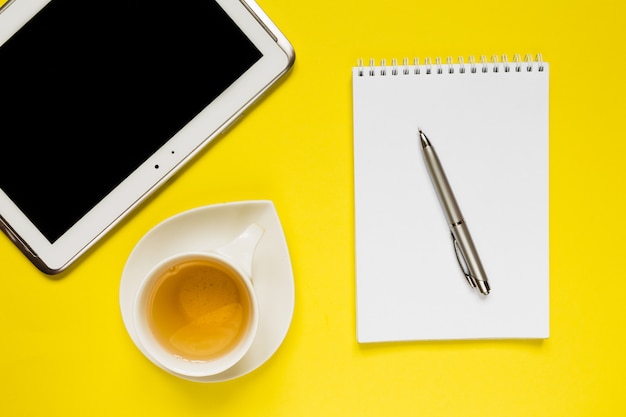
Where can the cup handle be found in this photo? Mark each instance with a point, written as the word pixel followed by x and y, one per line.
pixel 241 250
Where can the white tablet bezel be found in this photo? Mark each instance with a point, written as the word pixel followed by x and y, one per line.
pixel 52 258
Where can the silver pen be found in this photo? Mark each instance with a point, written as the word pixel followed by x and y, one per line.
pixel 464 248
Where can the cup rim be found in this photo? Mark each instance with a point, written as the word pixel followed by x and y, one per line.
pixel 182 366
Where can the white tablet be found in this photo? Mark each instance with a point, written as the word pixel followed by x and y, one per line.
pixel 101 103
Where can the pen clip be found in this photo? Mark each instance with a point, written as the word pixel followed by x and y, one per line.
pixel 463 263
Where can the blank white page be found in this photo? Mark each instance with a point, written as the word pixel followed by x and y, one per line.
pixel 489 127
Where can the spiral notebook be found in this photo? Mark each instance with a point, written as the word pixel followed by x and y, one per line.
pixel 488 121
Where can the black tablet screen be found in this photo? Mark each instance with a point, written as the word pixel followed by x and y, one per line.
pixel 90 90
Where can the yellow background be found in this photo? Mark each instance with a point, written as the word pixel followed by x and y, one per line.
pixel 64 350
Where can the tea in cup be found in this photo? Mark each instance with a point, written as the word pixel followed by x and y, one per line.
pixel 196 313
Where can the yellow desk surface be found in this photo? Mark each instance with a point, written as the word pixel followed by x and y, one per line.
pixel 64 350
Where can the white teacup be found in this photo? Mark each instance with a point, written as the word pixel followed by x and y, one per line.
pixel 196 313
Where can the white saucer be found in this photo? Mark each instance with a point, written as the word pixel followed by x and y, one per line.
pixel 211 227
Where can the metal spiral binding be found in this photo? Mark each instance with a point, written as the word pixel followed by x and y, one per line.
pixel 494 64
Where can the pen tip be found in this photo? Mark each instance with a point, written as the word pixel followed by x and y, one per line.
pixel 424 140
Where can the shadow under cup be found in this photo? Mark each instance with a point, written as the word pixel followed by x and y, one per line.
pixel 196 314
